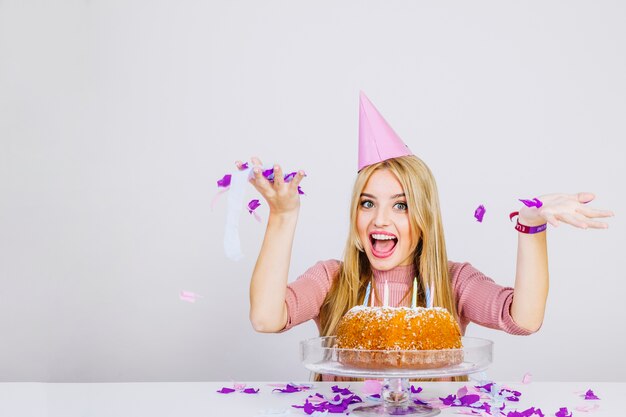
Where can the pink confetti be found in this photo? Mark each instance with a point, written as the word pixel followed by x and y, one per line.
pixel 217 197
pixel 372 387
pixel 479 213
pixel 239 386
pixel 527 378
pixel 587 408
pixel 189 296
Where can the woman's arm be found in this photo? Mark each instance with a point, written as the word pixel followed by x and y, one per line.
pixel 531 276
pixel 268 311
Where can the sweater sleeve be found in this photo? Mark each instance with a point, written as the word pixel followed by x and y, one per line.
pixel 306 294
pixel 482 301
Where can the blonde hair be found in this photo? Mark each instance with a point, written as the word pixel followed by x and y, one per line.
pixel 430 258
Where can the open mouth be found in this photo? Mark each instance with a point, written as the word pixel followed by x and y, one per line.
pixel 383 244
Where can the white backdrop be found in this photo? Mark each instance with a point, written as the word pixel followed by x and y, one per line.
pixel 118 117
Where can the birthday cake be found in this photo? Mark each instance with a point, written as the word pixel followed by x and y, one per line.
pixel 398 337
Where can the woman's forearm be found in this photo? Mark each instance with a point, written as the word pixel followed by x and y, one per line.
pixel 531 280
pixel 268 287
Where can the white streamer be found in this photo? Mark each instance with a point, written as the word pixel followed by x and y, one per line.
pixel 236 194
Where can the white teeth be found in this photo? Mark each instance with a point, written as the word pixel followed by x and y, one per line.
pixel 382 237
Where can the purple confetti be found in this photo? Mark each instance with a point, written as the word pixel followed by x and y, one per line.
pixel 250 391
pixel 415 390
pixel 225 181
pixel 290 176
pixel 485 388
pixel 243 166
pixel 589 395
pixel 225 390
pixel 253 205
pixel 469 399
pixel 337 405
pixel 342 391
pixel 300 190
pixel 269 174
pixel 288 389
pixel 535 202
pixel 526 413
pixel 563 412
pixel 449 400
pixel 479 213
pixel 420 402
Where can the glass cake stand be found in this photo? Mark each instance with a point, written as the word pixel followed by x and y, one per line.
pixel 395 367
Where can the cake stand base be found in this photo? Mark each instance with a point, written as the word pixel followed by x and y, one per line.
pixel 383 410
pixel 396 397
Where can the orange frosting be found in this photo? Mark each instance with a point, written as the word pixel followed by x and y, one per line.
pixel 399 329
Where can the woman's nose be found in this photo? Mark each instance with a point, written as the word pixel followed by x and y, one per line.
pixel 382 218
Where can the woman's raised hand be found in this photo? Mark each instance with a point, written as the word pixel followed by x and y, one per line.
pixel 567 208
pixel 282 197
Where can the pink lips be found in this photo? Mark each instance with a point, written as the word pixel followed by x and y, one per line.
pixel 380 254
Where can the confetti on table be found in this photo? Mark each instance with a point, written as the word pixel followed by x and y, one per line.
pixel 589 395
pixel 479 213
pixel 189 296
pixel 372 387
pixel 587 408
pixel 563 412
pixel 251 391
pixel 337 404
pixel 289 388
pixel 527 378
pixel 241 388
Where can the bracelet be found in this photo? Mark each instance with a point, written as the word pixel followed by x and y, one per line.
pixel 527 229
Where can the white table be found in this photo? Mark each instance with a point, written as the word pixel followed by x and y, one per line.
pixel 191 399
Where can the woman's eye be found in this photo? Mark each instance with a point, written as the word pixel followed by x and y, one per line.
pixel 367 204
pixel 401 206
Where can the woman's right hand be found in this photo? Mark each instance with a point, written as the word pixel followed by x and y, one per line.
pixel 282 197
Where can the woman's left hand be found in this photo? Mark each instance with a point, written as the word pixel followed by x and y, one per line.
pixel 567 208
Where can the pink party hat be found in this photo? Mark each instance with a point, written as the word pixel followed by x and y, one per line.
pixel 377 140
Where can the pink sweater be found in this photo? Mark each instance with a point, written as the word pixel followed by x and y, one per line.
pixel 479 299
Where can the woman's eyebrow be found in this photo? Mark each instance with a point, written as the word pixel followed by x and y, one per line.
pixel 393 197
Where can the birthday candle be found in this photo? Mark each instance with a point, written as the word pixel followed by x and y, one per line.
pixel 428 297
pixel 414 300
pixel 432 294
pixel 367 293
pixel 386 294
